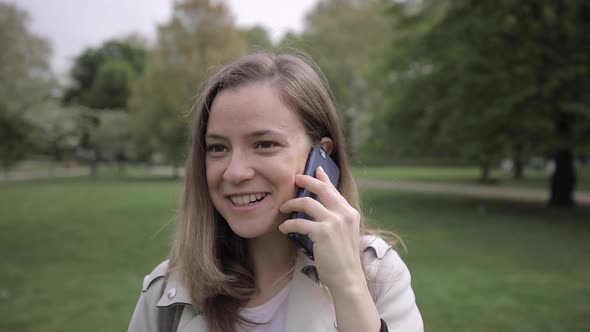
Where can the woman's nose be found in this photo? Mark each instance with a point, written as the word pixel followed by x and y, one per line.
pixel 238 169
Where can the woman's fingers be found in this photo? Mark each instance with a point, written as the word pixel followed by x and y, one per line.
pixel 301 226
pixel 308 205
pixel 317 232
pixel 320 185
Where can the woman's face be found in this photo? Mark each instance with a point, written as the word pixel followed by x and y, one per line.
pixel 255 146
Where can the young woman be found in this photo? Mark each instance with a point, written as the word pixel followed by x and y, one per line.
pixel 232 266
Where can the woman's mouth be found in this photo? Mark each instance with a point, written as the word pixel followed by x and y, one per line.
pixel 247 199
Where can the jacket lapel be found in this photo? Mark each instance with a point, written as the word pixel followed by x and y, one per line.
pixel 189 322
pixel 176 293
pixel 309 306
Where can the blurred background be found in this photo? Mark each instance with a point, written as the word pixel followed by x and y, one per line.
pixel 468 123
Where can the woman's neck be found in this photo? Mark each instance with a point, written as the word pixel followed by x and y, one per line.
pixel 273 258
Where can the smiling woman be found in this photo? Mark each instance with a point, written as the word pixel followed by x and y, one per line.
pixel 255 146
pixel 232 266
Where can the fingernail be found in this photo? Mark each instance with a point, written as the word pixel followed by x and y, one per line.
pixel 321 169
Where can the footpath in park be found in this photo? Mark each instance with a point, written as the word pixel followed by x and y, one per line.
pixel 45 175
pixel 472 190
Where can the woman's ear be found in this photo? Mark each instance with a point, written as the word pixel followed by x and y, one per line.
pixel 327 144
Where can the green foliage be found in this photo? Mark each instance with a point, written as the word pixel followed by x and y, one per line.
pixel 482 81
pixel 112 86
pixel 25 76
pixel 256 37
pixel 200 36
pixel 25 79
pixel 290 41
pixel 345 37
pixel 112 135
pixel 56 128
pixel 481 77
pixel 103 77
pixel 15 138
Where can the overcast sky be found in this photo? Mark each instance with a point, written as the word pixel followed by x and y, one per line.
pixel 73 25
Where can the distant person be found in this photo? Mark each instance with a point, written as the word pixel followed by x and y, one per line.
pixel 232 266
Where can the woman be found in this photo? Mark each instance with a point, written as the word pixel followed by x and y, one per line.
pixel 232 266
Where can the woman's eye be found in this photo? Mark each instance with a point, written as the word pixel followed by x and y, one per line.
pixel 266 145
pixel 216 148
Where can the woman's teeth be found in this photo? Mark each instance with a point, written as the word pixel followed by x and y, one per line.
pixel 247 199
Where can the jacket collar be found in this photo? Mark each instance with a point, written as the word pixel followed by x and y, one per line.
pixel 309 306
pixel 174 293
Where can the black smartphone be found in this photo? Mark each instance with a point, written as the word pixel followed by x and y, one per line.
pixel 317 157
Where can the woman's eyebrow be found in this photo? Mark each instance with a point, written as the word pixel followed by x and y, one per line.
pixel 255 134
pixel 265 132
pixel 215 136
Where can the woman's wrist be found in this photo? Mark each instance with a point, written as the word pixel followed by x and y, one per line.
pixel 355 309
pixel 350 289
pixel 345 279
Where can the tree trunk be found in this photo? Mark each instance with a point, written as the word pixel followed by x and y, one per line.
pixel 518 163
pixel 563 180
pixel 485 168
pixel 518 169
pixel 56 158
pixel 175 171
pixel 94 163
pixel 121 161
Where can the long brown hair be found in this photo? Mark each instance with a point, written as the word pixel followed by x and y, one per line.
pixel 212 260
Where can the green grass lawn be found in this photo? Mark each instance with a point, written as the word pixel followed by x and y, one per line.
pixel 533 179
pixel 73 254
pixel 484 265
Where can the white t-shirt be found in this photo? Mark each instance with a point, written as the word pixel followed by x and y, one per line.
pixel 272 312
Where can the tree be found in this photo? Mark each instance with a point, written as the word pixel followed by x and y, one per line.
pixel 112 137
pixel 199 36
pixel 25 80
pixel 290 40
pixel 14 134
pixel 112 86
pixel 102 80
pixel 88 148
pixel 55 131
pixel 345 37
pixel 488 79
pixel 103 77
pixel 256 37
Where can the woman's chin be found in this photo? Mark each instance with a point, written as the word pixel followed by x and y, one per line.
pixel 252 233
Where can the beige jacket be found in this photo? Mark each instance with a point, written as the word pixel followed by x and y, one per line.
pixel 309 307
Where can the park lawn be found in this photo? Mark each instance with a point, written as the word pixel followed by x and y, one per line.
pixel 489 265
pixel 74 250
pixel 533 179
pixel 73 254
